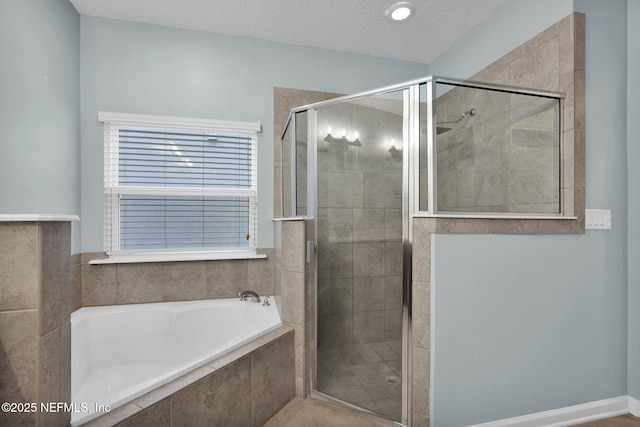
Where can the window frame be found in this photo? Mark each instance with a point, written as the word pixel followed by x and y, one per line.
pixel 113 122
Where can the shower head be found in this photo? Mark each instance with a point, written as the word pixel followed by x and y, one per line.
pixel 470 113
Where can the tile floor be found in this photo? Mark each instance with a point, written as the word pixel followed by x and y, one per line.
pixel 313 413
pixel 360 374
pixel 627 420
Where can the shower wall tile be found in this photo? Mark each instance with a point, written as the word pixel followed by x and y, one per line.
pixel 362 235
pixel 368 294
pixel 358 190
pixel 340 190
pixel 293 298
pixel 339 225
pixel 368 259
pixel 393 325
pixel 393 258
pixel 293 246
pixel 337 260
pixel 18 266
pixel 539 68
pixel 341 296
pixel 99 284
pixel 393 194
pixel 368 327
pixel 324 297
pixel 393 293
pixel 273 379
pixel 284 99
pixel 139 283
pixel 393 218
pixel 375 187
pixel 335 330
pixel 368 218
pixel 222 398
pixel 184 280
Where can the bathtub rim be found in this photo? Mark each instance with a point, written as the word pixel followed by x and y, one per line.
pixel 146 401
pixel 197 371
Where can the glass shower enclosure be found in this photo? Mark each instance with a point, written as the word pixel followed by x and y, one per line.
pixel 360 167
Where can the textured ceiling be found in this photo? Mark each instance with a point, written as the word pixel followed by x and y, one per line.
pixel 355 26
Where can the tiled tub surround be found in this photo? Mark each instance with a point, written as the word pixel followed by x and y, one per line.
pixel 111 284
pixel 243 388
pixel 40 287
pixel 121 352
pixel 41 284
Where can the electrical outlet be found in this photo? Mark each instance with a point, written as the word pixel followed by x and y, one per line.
pixel 598 219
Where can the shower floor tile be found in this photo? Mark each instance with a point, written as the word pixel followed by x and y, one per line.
pixel 360 374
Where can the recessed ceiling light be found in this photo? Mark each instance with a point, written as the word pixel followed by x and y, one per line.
pixel 401 11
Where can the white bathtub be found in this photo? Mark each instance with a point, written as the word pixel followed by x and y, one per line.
pixel 120 352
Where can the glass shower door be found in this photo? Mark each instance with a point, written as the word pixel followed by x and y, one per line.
pixel 360 252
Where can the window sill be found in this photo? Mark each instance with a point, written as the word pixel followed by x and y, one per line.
pixel 175 257
pixel 493 216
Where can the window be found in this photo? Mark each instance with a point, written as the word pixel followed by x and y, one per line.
pixel 178 185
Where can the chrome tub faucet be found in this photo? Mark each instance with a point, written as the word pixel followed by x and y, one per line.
pixel 244 294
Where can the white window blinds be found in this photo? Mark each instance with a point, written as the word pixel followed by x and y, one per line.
pixel 175 184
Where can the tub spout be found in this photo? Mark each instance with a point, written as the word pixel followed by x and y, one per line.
pixel 244 294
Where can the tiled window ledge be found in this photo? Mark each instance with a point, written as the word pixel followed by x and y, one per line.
pixel 37 217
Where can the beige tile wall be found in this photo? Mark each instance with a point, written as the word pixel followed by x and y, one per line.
pixel 243 388
pixel 109 284
pixel 293 297
pixel 40 287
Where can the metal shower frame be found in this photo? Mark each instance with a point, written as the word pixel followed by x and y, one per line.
pixel 410 199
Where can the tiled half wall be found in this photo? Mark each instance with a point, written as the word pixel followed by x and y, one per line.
pixel 109 284
pixel 39 288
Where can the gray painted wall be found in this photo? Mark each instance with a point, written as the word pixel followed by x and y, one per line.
pixel 137 68
pixel 508 26
pixel 39 107
pixel 633 153
pixel 524 324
